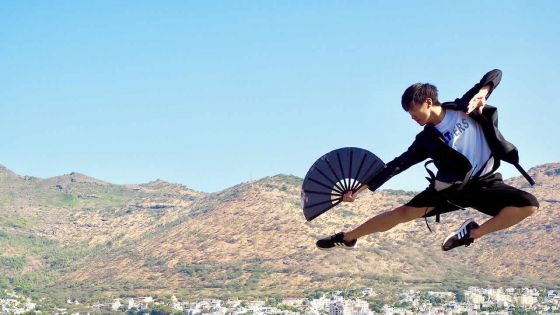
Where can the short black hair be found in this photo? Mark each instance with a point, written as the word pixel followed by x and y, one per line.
pixel 418 93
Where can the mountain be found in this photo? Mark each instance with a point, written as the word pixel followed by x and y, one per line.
pixel 76 236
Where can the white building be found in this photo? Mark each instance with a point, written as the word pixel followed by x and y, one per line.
pixel 474 298
pixel 343 307
pixel 116 304
pixel 233 303
pixel 442 295
pixel 317 306
pixel 295 302
pixel 130 303
pixel 193 311
pixel 502 299
pixel 359 307
pixel 256 304
pixel 178 306
pixel 526 300
pixel 339 308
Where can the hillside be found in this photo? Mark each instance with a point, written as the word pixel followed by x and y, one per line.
pixel 74 235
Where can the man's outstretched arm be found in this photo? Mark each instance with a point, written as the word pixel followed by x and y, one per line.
pixel 413 155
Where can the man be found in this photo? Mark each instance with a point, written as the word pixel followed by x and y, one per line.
pixel 463 140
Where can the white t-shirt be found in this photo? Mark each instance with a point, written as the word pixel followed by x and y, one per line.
pixel 465 135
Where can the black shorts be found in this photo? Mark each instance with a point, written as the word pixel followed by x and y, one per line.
pixel 488 195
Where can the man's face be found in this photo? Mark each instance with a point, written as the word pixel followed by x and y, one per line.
pixel 420 112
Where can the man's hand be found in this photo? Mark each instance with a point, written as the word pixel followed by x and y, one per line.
pixel 479 100
pixel 352 195
pixel 349 196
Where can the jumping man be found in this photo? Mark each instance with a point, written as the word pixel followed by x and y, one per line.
pixel 464 143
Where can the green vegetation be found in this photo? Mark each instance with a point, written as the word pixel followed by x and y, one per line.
pixel 70 200
pixel 521 311
pixel 16 263
pixel 404 304
pixel 434 300
pixel 190 269
pixel 460 296
pixel 18 222
pixel 254 278
pixel 54 261
pixel 376 306
pixel 153 309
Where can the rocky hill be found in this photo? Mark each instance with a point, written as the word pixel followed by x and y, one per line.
pixel 76 236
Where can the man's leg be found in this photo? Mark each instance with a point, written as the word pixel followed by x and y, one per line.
pixel 386 220
pixel 506 205
pixel 507 217
pixel 469 231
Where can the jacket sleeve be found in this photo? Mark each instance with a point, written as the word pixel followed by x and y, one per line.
pixel 492 78
pixel 415 154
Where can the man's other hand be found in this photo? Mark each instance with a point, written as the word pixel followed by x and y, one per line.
pixel 479 100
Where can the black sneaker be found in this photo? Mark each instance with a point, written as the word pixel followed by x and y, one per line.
pixel 336 240
pixel 460 237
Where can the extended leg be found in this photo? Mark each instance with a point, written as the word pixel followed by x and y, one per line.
pixel 386 221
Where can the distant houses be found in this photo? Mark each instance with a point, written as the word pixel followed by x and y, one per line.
pixel 474 300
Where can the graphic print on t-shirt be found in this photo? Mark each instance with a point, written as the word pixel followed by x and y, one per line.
pixel 464 135
pixel 458 129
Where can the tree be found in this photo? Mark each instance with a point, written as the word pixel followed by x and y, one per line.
pixel 405 305
pixel 460 296
pixel 376 306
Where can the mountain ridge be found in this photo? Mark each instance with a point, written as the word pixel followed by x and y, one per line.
pixel 249 239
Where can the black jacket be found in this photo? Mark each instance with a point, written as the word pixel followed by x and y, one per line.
pixel 453 167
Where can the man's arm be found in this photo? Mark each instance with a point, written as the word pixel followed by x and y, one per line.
pixel 415 154
pixel 476 97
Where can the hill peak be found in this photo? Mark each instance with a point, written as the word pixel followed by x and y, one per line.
pixel 160 185
pixel 75 177
pixel 157 182
pixel 280 178
pixel 549 169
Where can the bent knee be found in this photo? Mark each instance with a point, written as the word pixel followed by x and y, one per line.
pixel 533 206
pixel 525 211
pixel 530 210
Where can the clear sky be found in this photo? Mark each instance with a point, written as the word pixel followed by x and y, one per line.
pixel 210 94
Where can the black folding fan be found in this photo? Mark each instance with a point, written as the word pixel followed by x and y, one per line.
pixel 335 174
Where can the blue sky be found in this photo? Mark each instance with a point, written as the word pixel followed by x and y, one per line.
pixel 210 94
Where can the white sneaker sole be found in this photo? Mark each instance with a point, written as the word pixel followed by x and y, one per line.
pixel 339 246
